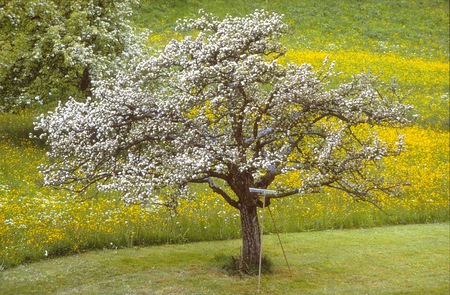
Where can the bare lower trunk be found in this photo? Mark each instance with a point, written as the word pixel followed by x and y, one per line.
pixel 251 239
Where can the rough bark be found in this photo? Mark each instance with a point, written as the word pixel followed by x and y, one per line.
pixel 251 239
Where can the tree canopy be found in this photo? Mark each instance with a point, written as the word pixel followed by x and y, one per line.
pixel 219 107
pixel 53 49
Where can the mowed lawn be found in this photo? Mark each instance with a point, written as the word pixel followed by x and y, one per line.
pixel 406 259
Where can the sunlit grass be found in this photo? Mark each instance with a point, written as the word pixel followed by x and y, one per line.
pixel 413 28
pixel 425 84
pixel 409 259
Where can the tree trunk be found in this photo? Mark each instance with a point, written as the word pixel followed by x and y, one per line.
pixel 251 239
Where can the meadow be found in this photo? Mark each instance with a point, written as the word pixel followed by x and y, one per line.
pixel 404 259
pixel 407 40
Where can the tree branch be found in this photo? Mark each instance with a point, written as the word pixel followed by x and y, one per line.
pixel 217 190
pixel 284 194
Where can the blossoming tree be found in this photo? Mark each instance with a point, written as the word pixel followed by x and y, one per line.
pixel 219 108
pixel 53 49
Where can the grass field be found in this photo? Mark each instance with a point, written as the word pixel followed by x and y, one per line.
pixel 411 259
pixel 410 28
pixel 403 39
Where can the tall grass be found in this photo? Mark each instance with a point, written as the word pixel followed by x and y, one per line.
pixel 405 39
pixel 411 28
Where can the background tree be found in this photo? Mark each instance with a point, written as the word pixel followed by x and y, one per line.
pixel 220 109
pixel 53 49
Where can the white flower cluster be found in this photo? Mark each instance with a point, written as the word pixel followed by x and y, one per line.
pixel 220 107
pixel 53 47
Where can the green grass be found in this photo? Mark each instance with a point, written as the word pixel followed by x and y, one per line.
pixel 409 27
pixel 406 39
pixel 410 259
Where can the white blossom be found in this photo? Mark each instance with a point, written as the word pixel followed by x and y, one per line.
pixel 220 109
